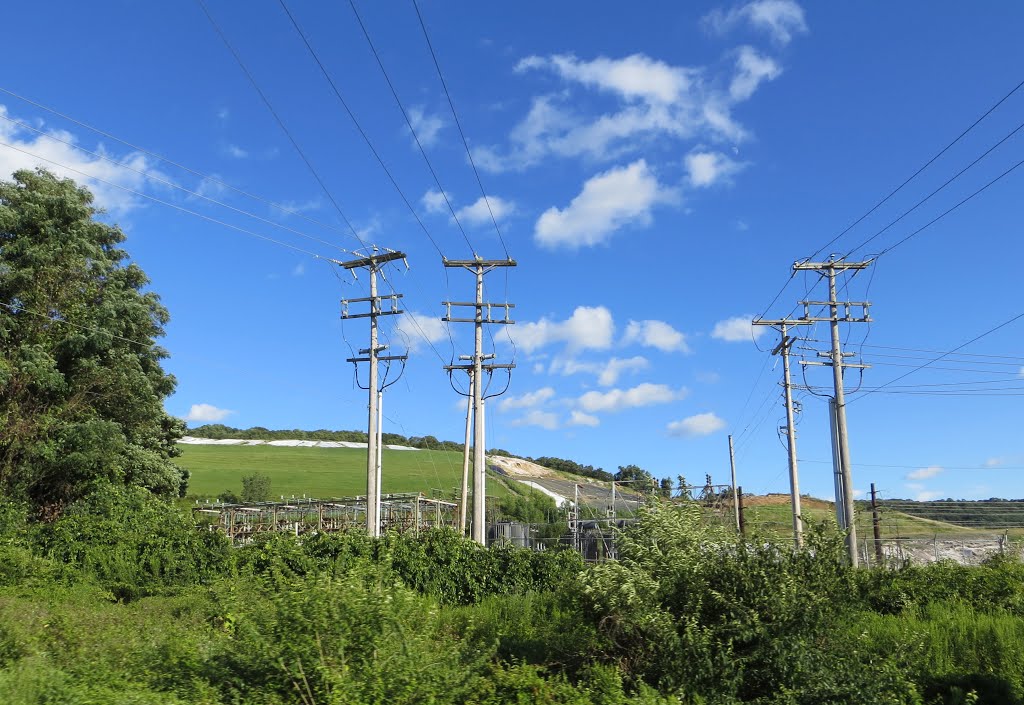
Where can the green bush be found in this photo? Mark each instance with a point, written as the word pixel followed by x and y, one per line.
pixel 133 543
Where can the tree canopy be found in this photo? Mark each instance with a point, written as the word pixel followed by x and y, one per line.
pixel 81 381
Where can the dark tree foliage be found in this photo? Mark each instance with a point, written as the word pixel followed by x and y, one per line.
pixel 81 384
pixel 255 487
pixel 640 478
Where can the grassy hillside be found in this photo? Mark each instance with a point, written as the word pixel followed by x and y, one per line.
pixel 772 513
pixel 320 472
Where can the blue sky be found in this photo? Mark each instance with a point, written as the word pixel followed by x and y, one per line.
pixel 655 169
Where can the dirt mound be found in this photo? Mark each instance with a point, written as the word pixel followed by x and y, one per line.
pixel 520 469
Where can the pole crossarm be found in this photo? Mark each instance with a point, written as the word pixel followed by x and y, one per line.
pixel 838 265
pixel 378 358
pixel 373 261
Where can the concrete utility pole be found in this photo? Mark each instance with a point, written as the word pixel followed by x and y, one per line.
pixel 373 264
pixel 794 479
pixel 735 496
pixel 479 267
pixel 836 356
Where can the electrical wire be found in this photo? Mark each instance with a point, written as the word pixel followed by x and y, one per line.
pixel 921 169
pixel 458 125
pixel 280 122
pixel 408 123
pixel 950 210
pixel 140 194
pixel 171 184
pixel 940 357
pixel 358 125
pixel 898 189
pixel 937 190
pixel 206 177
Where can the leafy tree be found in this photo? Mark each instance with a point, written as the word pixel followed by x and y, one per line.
pixel 255 487
pixel 666 487
pixel 81 384
pixel 641 479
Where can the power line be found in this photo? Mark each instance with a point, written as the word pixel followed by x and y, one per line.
pixel 925 166
pixel 940 188
pixel 931 351
pixel 950 210
pixel 165 203
pixel 358 126
pixel 280 122
pixel 458 124
pixel 916 467
pixel 206 177
pixel 171 184
pixel 900 188
pixel 408 122
pixel 940 357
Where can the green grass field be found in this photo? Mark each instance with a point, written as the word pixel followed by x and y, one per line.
pixel 321 472
pixel 775 517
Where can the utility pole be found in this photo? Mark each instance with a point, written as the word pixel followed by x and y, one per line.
pixel 484 315
pixel 783 348
pixel 876 525
pixel 735 496
pixel 373 264
pixel 836 362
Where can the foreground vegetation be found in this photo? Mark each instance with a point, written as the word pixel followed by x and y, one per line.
pixel 123 601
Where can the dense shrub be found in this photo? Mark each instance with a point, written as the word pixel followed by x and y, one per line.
pixel 133 543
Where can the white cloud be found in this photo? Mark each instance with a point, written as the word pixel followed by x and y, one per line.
pixel 234 151
pixel 738 329
pixel 633 77
pixel 56 151
pixel 544 419
pixel 578 418
pixel 207 413
pixel 528 400
pixel 924 473
pixel 653 100
pixel 645 394
pixel 697 425
pixel 616 366
pixel 607 373
pixel 706 168
pixel 419 330
pixel 426 126
pixel 478 214
pixel 656 334
pixel 300 206
pixel 751 69
pixel 587 328
pixel 781 19
pixel 433 201
pixel 610 200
